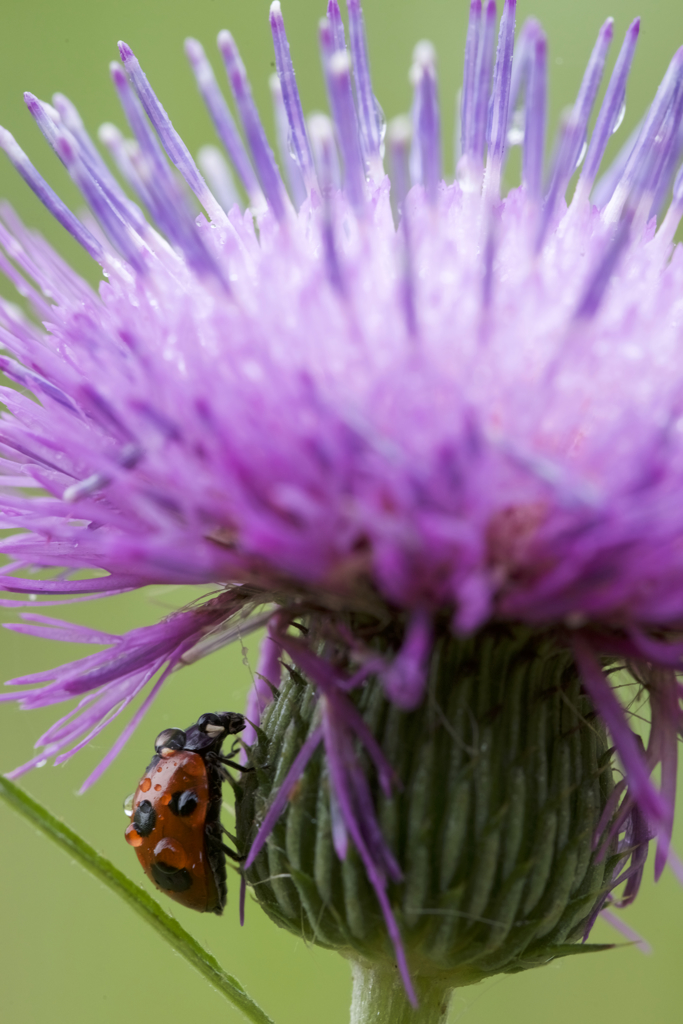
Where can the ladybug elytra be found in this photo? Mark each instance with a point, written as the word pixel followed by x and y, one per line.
pixel 176 829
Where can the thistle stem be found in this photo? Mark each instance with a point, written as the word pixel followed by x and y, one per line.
pixel 380 998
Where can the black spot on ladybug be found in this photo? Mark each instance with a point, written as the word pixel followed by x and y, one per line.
pixel 183 803
pixel 145 818
pixel 170 878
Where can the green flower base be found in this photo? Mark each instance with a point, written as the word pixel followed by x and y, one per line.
pixel 505 772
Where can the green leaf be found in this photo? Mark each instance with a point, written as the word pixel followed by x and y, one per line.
pixel 143 904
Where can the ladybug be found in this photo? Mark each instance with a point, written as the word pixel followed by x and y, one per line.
pixel 176 829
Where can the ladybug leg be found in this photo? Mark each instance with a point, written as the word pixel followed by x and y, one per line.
pixel 227 850
pixel 215 843
pixel 231 853
pixel 233 764
pixel 218 759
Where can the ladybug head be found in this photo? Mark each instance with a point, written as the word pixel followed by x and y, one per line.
pixel 221 723
pixel 210 730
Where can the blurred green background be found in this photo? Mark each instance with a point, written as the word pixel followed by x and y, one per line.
pixel 69 950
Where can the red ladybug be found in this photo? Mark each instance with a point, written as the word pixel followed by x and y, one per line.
pixel 176 829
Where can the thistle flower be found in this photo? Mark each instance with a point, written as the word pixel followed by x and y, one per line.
pixel 439 455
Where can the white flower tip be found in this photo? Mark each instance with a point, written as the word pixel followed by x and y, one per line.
pixel 194 51
pixel 71 493
pixel 32 102
pixel 225 40
pixel 216 170
pixel 340 63
pixel 109 134
pixel 399 130
pixel 117 73
pixel 319 127
pixel 84 488
pixel 424 53
pixel 207 152
pixel 424 62
pixel 7 141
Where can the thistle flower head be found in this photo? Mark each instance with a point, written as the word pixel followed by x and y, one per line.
pixel 461 413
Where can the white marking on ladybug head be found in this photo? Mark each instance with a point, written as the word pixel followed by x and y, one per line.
pixel 214 730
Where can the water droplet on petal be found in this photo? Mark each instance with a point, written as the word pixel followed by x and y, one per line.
pixel 620 117
pixel 582 153
pixel 381 120
pixel 42 763
pixel 128 805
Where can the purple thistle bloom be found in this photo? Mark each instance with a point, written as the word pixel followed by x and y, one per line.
pixel 475 415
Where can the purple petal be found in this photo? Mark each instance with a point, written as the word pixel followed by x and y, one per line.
pixel 405 680
pixel 267 678
pixel 611 107
pixel 624 929
pixel 100 585
pixel 223 119
pixel 426 159
pixel 262 155
pixel 175 147
pixel 325 678
pixel 368 108
pixel 132 725
pixel 290 96
pixel 48 197
pixel 612 713
pixel 502 75
pixel 469 88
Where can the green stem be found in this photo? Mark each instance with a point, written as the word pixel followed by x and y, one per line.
pixel 143 904
pixel 379 997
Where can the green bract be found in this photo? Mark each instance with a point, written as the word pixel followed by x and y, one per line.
pixel 503 774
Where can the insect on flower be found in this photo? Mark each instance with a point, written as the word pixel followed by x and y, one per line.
pixel 176 829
